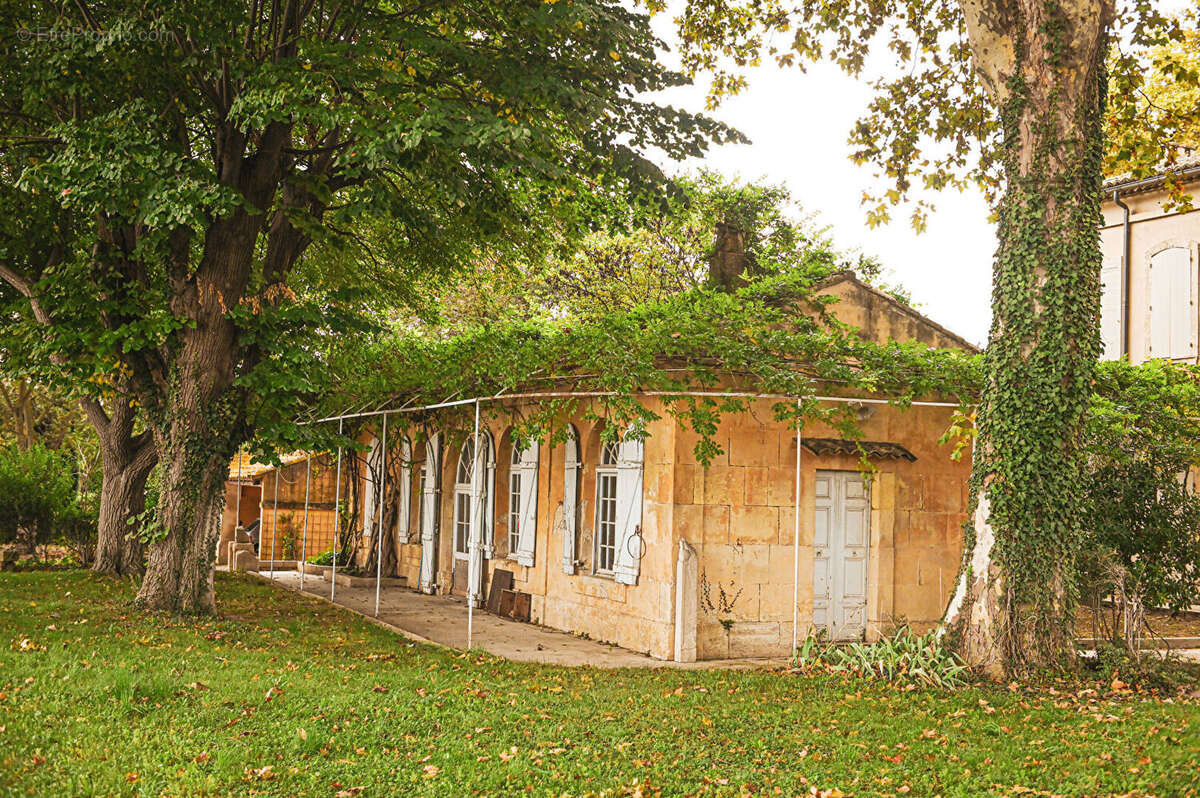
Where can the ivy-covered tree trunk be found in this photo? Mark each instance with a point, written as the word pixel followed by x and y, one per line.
pixel 1043 65
pixel 198 415
pixel 196 441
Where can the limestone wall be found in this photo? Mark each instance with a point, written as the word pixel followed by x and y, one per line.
pixel 738 514
pixel 633 616
pixel 1151 229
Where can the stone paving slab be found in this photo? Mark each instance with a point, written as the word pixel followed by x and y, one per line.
pixel 442 620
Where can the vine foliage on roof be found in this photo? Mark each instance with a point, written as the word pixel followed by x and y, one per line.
pixel 776 335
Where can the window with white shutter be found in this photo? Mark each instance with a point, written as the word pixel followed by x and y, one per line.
pixel 462 498
pixel 1172 307
pixel 480 525
pixel 1110 310
pixel 605 539
pixel 629 549
pixel 523 484
pixel 570 501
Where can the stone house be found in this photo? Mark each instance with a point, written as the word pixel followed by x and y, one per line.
pixel 637 544
pixel 1150 272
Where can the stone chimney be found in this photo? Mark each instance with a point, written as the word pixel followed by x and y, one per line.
pixel 728 265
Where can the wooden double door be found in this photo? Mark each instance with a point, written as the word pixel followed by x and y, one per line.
pixel 841 544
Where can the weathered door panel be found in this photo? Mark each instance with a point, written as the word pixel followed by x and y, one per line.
pixel 841 542
pixel 822 575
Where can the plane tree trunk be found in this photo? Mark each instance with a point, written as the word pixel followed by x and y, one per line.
pixel 126 460
pixel 1043 65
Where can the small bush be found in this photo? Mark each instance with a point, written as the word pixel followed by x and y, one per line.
pixel 902 658
pixel 1151 670
pixel 37 493
pixel 77 527
pixel 326 558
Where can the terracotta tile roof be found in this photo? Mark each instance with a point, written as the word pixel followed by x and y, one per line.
pixel 1187 166
pixel 248 468
pixel 874 449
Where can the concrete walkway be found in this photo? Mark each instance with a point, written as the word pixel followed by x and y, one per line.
pixel 442 620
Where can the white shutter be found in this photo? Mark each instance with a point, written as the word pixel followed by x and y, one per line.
pixel 527 525
pixel 404 510
pixel 370 487
pixel 1110 311
pixel 1183 309
pixel 489 488
pixel 570 503
pixel 1172 304
pixel 429 517
pixel 629 513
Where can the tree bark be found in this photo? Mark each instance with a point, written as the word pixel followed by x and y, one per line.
pixel 196 442
pixel 127 460
pixel 127 464
pixel 1043 65
pixel 198 427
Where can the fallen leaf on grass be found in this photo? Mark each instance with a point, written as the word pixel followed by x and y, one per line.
pixel 262 774
pixel 431 771
pixel 202 757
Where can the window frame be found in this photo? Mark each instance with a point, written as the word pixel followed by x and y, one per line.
pixel 606 475
pixel 462 491
pixel 514 505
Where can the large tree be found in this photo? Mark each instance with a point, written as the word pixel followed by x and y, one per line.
pixel 1010 93
pixel 205 148
pixel 37 238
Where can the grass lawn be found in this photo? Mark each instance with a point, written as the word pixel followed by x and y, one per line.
pixel 284 695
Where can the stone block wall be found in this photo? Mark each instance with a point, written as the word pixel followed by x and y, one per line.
pixel 738 514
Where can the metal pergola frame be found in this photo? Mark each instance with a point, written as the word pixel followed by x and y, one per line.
pixel 475 563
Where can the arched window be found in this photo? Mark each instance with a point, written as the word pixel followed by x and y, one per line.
pixel 462 499
pixel 618 540
pixel 514 502
pixel 463 476
pixel 606 509
pixel 522 504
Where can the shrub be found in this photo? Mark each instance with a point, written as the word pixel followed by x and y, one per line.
pixel 326 558
pixel 77 526
pixel 37 492
pixel 1143 444
pixel 903 658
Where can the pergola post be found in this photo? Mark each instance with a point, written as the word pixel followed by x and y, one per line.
pixel 379 512
pixel 275 520
pixel 304 534
pixel 337 514
pixel 474 563
pixel 796 537
pixel 237 504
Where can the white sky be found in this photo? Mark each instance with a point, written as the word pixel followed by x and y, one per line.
pixel 798 123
